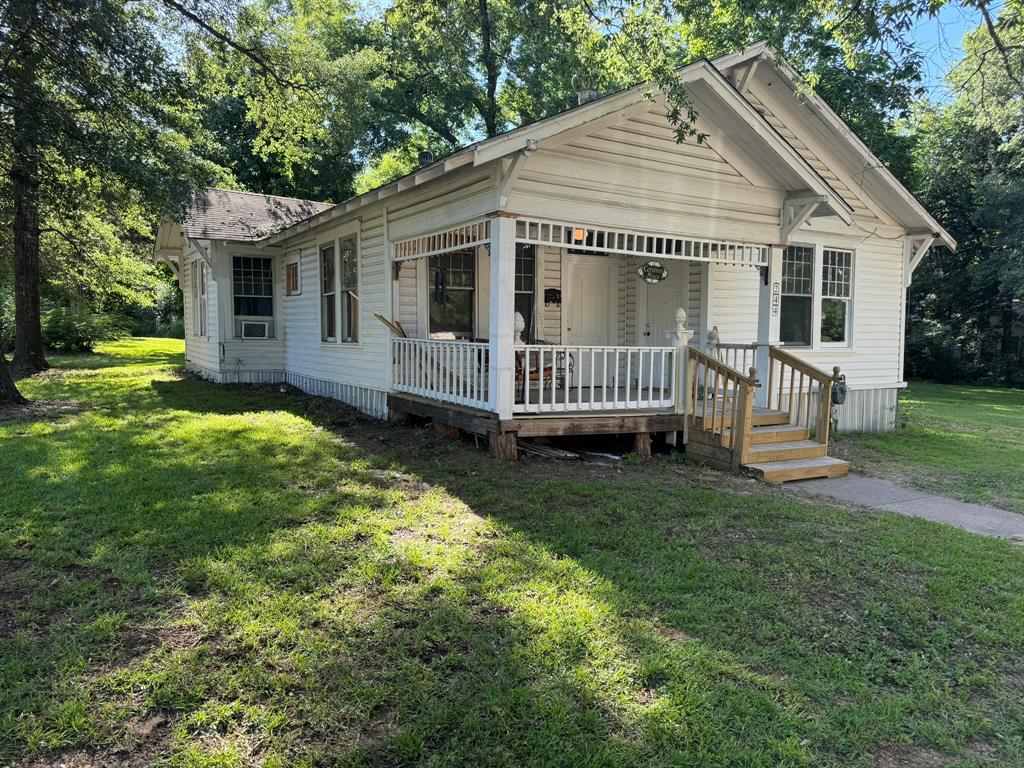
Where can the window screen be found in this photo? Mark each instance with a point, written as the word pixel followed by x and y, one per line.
pixel 797 295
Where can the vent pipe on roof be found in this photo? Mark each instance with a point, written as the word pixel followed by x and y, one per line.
pixel 426 158
pixel 586 88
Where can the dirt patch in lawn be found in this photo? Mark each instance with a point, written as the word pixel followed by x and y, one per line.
pixel 149 743
pixel 39 410
pixel 909 756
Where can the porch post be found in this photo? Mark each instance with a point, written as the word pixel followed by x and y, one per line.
pixel 501 371
pixel 769 306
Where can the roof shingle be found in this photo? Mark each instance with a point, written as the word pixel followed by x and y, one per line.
pixel 223 214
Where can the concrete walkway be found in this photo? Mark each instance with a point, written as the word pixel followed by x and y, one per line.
pixel 884 494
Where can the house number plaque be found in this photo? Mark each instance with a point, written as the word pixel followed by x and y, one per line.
pixel 776 298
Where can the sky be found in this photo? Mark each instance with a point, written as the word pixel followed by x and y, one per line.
pixel 939 41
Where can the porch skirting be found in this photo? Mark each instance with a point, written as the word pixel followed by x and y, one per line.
pixel 372 402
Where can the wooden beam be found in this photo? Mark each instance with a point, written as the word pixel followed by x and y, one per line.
pixel 744 80
pixel 793 217
pixel 593 424
pixel 916 255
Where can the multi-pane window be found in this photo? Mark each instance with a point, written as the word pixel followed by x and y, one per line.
pixel 253 278
pixel 349 280
pixel 526 282
pixel 292 286
pixel 836 291
pixel 198 298
pixel 328 295
pixel 797 295
pixel 452 293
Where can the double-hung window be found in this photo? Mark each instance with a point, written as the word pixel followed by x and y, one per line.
pixel 797 295
pixel 328 295
pixel 349 279
pixel 453 293
pixel 526 282
pixel 339 279
pixel 817 296
pixel 199 305
pixel 253 292
pixel 836 294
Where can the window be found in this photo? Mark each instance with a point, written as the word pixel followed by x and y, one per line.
pixel 526 282
pixel 253 278
pixel 349 275
pixel 198 298
pixel 797 295
pixel 328 293
pixel 252 281
pixel 452 293
pixel 836 290
pixel 292 287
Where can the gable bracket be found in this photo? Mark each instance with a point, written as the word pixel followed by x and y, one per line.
pixel 508 172
pixel 917 249
pixel 796 211
pixel 203 246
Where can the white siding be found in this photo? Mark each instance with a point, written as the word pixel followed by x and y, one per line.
pixel 735 294
pixel 200 351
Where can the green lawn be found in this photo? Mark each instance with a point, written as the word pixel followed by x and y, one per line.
pixel 201 575
pixel 960 441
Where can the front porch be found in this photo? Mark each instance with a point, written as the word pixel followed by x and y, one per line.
pixel 523 328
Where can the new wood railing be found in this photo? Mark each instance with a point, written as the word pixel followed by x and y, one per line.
pixel 802 390
pixel 452 371
pixel 721 403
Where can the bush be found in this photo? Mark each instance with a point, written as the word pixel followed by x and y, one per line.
pixel 68 331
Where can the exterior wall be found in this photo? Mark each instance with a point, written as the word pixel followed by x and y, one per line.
pixel 630 174
pixel 201 352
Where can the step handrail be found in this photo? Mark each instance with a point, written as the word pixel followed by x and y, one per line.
pixel 731 391
pixel 780 359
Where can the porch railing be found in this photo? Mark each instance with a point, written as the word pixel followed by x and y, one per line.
pixel 721 403
pixel 741 357
pixel 802 390
pixel 452 371
pixel 573 378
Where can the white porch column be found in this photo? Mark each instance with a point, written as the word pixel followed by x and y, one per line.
pixel 768 310
pixel 501 372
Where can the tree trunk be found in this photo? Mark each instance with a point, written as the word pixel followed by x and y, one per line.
pixel 28 332
pixel 9 394
pixel 24 176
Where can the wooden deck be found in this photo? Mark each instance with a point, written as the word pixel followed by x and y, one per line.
pixel 504 432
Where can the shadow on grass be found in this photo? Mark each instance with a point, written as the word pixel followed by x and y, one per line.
pixel 367 594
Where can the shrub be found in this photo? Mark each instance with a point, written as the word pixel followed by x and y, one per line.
pixel 68 331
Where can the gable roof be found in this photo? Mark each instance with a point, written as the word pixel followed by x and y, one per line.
pixel 225 214
pixel 528 136
pixel 877 178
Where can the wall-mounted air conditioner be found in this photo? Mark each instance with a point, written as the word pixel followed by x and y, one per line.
pixel 253 329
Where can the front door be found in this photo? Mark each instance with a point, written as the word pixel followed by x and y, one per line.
pixel 660 302
pixel 588 311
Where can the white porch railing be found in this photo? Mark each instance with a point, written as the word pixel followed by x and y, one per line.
pixel 567 378
pixel 452 371
pixel 738 356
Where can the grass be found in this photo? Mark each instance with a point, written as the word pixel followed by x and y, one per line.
pixel 960 441
pixel 200 575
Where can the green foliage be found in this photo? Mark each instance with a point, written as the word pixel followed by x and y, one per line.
pixel 970 173
pixel 289 584
pixel 75 332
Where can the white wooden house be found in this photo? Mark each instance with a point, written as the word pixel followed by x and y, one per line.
pixel 786 243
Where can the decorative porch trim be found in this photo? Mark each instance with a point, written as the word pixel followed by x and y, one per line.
pixel 462 236
pixel 642 244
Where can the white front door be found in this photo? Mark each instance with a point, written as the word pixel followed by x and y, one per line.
pixel 588 311
pixel 660 302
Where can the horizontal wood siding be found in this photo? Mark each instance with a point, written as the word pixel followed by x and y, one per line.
pixel 201 352
pixel 550 272
pixel 408 301
pixel 735 294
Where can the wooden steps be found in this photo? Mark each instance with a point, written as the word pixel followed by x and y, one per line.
pixel 779 453
pixel 800 469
